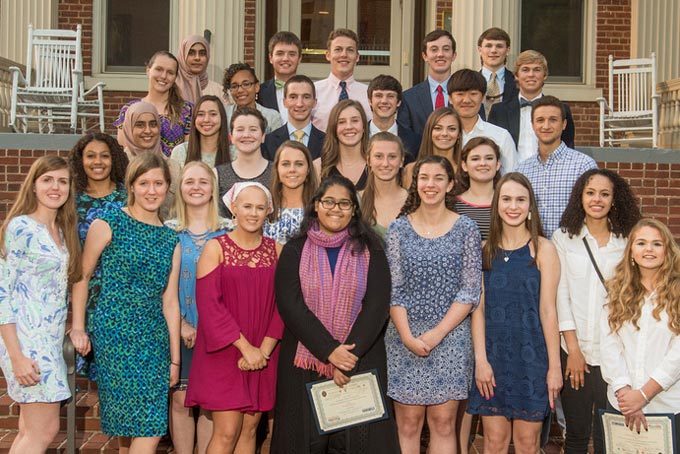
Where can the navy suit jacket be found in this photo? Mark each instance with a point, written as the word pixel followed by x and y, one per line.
pixel 509 90
pixel 267 95
pixel 416 106
pixel 274 139
pixel 506 115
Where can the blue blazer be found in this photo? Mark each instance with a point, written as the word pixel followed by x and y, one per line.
pixel 509 90
pixel 416 106
pixel 506 115
pixel 267 95
pixel 274 139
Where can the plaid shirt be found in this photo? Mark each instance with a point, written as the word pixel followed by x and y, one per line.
pixel 552 181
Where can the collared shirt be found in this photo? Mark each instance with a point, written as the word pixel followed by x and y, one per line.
pixel 270 115
pixel 433 90
pixel 500 78
pixel 502 138
pixel 307 129
pixel 527 142
pixel 327 94
pixel 636 355
pixel 279 101
pixel 373 129
pixel 581 294
pixel 552 181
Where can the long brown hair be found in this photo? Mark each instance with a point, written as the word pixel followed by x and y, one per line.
pixel 140 165
pixel 194 143
pixel 66 220
pixel 463 179
pixel 533 222
pixel 626 292
pixel 427 145
pixel 368 211
pixel 413 199
pixel 175 99
pixel 310 184
pixel 330 153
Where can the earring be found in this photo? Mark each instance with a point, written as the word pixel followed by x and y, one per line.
pixel 632 261
pixel 233 219
pixel 529 216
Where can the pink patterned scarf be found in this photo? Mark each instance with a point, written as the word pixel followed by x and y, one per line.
pixel 335 299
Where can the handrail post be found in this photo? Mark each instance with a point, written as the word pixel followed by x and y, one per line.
pixel 70 358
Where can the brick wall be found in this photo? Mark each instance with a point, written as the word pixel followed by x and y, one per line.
pixel 71 13
pixel 249 32
pixel 443 6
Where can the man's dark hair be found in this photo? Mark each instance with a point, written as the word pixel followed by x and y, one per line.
pixel 285 38
pixel 299 79
pixel 385 82
pixel 548 100
pixel 466 80
pixel 434 36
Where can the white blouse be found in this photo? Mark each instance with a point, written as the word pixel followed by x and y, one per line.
pixel 580 294
pixel 633 356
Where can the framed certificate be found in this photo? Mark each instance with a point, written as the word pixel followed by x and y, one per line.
pixel 358 402
pixel 619 439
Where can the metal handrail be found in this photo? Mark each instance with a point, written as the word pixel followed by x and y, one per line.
pixel 70 358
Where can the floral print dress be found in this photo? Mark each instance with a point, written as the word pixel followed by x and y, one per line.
pixel 33 296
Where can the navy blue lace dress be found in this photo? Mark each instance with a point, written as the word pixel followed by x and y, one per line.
pixel 515 346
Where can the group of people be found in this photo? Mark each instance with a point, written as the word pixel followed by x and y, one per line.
pixel 234 245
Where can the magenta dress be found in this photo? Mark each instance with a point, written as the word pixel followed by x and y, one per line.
pixel 236 297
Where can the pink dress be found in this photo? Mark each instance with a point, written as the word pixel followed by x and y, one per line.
pixel 236 297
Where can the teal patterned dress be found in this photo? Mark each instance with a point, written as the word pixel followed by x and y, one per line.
pixel 129 333
pixel 89 209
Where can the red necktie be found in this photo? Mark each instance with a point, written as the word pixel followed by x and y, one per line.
pixel 439 100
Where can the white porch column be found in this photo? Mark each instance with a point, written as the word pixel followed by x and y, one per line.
pixel 15 15
pixel 226 21
pixel 472 17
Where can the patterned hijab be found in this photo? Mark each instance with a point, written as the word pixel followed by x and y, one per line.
pixel 190 84
pixel 131 116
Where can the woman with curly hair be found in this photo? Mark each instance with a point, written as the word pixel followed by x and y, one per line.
pixel 442 137
pixel 98 166
pixel 640 327
pixel 344 150
pixel 383 197
pixel 517 345
pixel 209 137
pixel 594 229
pixel 436 267
pixel 39 261
pixel 165 96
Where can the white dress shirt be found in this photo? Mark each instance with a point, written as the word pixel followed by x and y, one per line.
pixel 502 138
pixel 633 356
pixel 279 102
pixel 527 142
pixel 433 90
pixel 581 295
pixel 327 94
pixel 373 129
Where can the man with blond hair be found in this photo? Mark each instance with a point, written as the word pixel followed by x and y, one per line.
pixel 514 113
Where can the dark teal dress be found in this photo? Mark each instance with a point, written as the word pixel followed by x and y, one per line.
pixel 129 332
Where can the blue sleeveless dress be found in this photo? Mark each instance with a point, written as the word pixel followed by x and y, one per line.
pixel 515 345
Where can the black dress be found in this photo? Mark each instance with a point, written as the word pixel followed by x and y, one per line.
pixel 294 427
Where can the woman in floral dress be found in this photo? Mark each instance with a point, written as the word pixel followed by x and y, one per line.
pixel 40 258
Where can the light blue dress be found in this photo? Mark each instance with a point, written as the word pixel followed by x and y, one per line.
pixel 33 296
pixel 286 226
pixel 428 275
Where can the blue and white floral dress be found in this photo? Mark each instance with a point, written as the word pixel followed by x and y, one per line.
pixel 286 226
pixel 33 296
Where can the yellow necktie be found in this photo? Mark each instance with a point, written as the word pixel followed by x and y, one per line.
pixel 299 135
pixel 493 94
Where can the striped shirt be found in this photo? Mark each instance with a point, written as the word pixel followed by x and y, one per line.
pixel 481 214
pixel 552 181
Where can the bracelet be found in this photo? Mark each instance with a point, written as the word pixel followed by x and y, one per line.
pixel 644 395
pixel 177 364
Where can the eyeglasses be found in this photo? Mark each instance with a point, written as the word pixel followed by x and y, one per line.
pixel 245 85
pixel 329 204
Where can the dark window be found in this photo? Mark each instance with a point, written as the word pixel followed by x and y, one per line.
pixel 135 30
pixel 555 29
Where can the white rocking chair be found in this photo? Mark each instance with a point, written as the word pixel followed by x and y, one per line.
pixel 630 113
pixel 52 95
